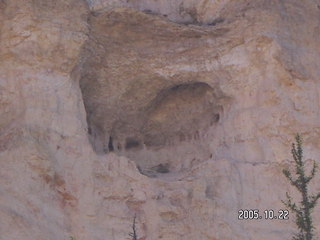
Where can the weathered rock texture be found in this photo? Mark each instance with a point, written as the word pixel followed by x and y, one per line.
pixel 181 112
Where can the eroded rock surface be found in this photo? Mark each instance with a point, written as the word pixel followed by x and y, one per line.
pixel 201 97
pixel 141 91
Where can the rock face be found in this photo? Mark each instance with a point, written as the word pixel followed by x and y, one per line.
pixel 179 112
pixel 147 113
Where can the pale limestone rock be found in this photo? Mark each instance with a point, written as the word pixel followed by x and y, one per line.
pixel 227 90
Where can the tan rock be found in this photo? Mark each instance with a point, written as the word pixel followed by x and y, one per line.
pixel 179 112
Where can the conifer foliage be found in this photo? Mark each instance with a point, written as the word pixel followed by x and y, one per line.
pixel 300 181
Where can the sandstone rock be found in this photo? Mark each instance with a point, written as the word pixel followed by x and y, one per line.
pixel 179 112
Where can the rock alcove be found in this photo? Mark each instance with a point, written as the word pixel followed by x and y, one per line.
pixel 159 121
pixel 175 120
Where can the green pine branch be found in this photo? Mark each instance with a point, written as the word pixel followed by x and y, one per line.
pixel 313 172
pixel 303 211
pixel 313 200
pixel 292 181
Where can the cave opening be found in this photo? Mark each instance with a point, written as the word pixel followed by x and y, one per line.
pixel 163 134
